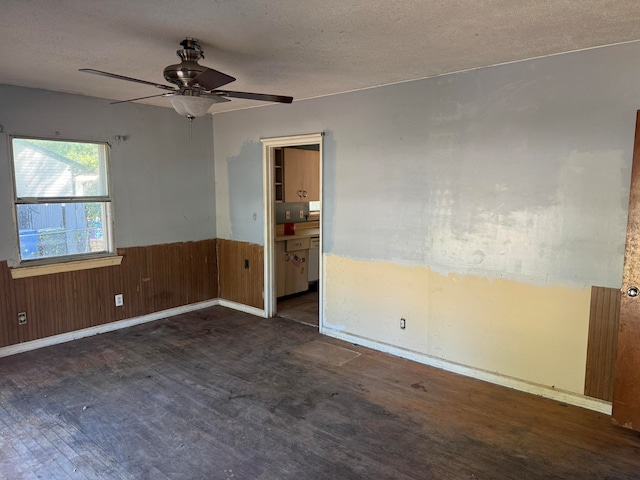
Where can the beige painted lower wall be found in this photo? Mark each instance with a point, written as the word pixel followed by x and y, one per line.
pixel 530 332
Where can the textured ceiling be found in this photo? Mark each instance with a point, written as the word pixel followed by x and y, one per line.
pixel 291 47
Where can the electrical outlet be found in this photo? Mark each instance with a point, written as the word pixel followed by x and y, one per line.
pixel 22 318
pixel 301 213
pixel 403 323
pixel 287 215
pixel 119 300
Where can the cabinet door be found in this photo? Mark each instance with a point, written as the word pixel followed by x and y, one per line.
pixel 297 278
pixel 312 178
pixel 301 175
pixel 293 173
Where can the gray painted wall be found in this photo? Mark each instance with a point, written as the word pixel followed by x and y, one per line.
pixel 518 171
pixel 162 182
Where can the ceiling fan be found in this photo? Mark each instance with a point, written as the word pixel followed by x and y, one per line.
pixel 196 87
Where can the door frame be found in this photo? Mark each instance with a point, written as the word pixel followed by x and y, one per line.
pixel 268 162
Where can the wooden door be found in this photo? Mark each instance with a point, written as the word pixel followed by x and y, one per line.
pixel 626 390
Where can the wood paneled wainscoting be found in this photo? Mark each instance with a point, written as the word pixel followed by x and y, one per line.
pixel 241 270
pixel 603 339
pixel 151 279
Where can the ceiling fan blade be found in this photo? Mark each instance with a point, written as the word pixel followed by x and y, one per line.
pixel 217 98
pixel 142 98
pixel 210 79
pixel 265 97
pixel 128 79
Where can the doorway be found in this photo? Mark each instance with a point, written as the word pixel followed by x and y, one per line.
pixel 293 273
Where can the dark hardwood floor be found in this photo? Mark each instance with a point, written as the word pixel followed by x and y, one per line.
pixel 301 307
pixel 218 394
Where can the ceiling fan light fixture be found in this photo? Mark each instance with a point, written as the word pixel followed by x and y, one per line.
pixel 192 106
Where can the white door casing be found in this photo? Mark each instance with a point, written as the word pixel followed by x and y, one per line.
pixel 268 161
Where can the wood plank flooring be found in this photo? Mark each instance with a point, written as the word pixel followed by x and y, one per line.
pixel 218 394
pixel 301 307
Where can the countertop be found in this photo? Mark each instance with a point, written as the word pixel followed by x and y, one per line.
pixel 303 230
pixel 301 233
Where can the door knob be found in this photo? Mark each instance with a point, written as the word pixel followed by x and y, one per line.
pixel 633 291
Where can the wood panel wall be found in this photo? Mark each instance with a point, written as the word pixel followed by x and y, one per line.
pixel 603 338
pixel 151 279
pixel 237 283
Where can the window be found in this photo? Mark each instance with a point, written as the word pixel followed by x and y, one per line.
pixel 62 199
pixel 314 206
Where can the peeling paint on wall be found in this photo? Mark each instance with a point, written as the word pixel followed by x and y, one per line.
pixel 534 333
pixel 511 181
pixel 519 171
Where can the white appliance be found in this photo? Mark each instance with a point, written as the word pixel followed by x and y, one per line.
pixel 314 259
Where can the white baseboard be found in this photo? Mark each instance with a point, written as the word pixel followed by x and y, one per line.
pixel 107 327
pixel 495 378
pixel 242 307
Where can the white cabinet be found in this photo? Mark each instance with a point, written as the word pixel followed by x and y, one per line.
pixel 281 269
pixel 297 272
pixel 292 266
pixel 314 259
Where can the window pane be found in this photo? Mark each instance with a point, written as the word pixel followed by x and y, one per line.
pixel 314 206
pixel 49 169
pixel 58 229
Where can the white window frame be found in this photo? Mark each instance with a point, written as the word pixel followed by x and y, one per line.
pixel 62 263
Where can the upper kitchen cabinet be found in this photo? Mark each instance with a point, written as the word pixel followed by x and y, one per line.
pixel 301 175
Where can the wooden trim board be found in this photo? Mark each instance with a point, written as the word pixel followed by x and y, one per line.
pixel 61 267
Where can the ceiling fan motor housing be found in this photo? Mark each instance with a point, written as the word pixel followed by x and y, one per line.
pixel 182 73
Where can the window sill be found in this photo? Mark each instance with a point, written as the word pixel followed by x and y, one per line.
pixel 47 269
